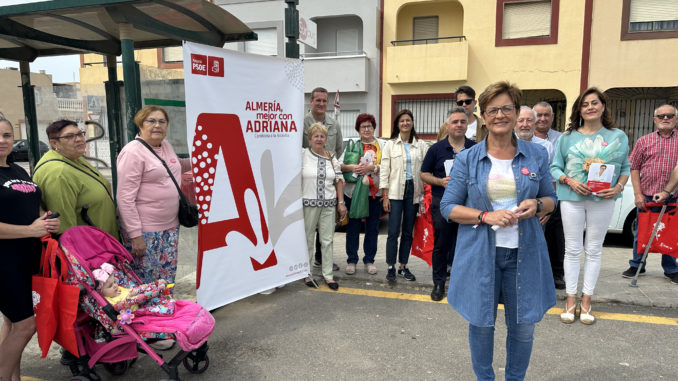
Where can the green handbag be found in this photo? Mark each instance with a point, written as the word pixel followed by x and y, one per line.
pixel 352 154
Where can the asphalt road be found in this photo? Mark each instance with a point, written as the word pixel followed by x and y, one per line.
pixel 374 332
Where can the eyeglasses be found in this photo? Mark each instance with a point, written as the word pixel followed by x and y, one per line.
pixel 161 122
pixel 665 116
pixel 464 102
pixel 507 109
pixel 368 127
pixel 524 120
pixel 544 115
pixel 80 134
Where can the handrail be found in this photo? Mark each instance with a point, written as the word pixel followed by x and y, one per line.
pixel 460 38
pixel 335 54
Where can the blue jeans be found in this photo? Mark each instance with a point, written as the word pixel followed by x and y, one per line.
pixel 520 336
pixel 668 262
pixel 402 211
pixel 371 232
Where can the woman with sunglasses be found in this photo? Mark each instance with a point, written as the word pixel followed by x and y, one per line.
pixel 70 185
pixel 591 137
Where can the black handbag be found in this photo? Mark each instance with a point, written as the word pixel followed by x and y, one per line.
pixel 188 214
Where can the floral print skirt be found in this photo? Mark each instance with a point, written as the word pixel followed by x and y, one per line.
pixel 160 259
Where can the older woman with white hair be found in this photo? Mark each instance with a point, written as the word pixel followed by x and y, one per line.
pixel 323 196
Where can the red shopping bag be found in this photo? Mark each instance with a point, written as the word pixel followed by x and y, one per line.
pixel 422 237
pixel 666 240
pixel 44 300
pixel 67 307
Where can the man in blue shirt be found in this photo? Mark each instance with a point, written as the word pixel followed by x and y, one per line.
pixel 435 171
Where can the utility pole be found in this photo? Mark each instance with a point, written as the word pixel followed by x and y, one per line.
pixel 292 29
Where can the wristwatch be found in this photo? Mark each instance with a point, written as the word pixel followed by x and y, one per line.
pixel 540 205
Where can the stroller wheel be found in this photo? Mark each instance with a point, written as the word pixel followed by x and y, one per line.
pixel 192 364
pixel 117 368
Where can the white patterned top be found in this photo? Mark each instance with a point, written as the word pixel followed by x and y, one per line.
pixel 317 179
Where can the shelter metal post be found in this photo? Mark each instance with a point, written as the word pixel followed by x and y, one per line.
pixel 31 115
pixel 130 76
pixel 115 124
pixel 291 29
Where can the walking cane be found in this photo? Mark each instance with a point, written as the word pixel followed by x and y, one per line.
pixel 634 282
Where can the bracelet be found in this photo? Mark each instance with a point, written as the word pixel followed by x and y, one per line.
pixel 566 181
pixel 621 185
pixel 342 202
pixel 482 219
pixel 667 192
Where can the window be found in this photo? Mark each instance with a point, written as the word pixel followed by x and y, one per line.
pixel 430 111
pixel 266 45
pixel 527 22
pixel 347 41
pixel 425 27
pixel 649 19
pixel 172 54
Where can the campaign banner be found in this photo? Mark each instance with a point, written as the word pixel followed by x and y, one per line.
pixel 244 116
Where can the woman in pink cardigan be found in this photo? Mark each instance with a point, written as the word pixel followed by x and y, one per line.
pixel 148 201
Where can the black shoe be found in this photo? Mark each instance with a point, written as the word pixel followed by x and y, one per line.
pixel 438 292
pixel 631 272
pixel 405 273
pixel 559 282
pixel 390 276
pixel 67 358
pixel 672 277
pixel 332 285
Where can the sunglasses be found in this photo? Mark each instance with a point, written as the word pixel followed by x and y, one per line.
pixel 665 116
pixel 464 102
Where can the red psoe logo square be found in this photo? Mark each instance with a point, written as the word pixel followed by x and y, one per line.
pixel 215 66
pixel 198 64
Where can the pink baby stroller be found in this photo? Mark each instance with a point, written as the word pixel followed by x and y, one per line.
pixel 104 338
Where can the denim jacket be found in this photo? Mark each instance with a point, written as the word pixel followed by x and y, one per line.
pixel 471 290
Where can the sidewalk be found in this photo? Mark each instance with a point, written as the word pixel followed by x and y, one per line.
pixel 653 289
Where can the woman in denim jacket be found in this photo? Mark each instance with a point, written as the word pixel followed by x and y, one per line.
pixel 497 190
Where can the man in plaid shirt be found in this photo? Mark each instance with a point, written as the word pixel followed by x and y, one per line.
pixel 653 158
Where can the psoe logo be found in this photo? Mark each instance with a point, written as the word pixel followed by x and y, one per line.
pixel 198 64
pixel 207 65
pixel 215 66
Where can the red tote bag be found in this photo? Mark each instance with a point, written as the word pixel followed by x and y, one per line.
pixel 67 308
pixel 44 299
pixel 666 240
pixel 422 237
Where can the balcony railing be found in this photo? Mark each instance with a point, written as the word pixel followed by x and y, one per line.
pixel 427 62
pixel 349 53
pixel 66 104
pixel 427 40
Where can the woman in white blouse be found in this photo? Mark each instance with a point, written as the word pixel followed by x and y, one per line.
pixel 322 189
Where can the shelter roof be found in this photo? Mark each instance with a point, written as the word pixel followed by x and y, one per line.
pixel 60 27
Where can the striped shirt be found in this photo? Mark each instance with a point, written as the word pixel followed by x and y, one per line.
pixel 655 157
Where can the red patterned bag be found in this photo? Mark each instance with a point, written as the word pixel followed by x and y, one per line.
pixel 666 240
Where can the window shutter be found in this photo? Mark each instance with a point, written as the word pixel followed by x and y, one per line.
pixel 425 27
pixel 266 45
pixel 653 10
pixel 526 19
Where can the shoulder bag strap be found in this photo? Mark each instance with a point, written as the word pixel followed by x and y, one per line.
pixel 79 169
pixel 181 195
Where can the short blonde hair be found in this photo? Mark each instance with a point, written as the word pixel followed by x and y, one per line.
pixel 316 127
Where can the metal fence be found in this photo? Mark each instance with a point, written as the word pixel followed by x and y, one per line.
pixel 429 114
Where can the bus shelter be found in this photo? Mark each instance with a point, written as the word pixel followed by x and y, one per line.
pixel 112 28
